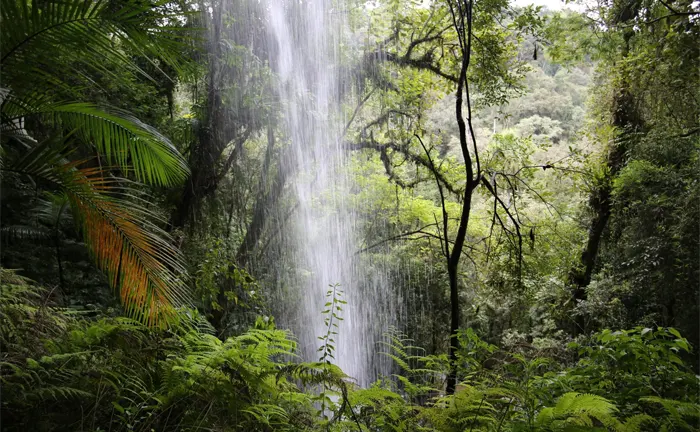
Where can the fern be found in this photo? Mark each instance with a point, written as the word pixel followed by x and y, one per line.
pixel 575 410
pixel 636 423
pixel 467 409
pixel 679 415
pixel 420 375
pixel 125 376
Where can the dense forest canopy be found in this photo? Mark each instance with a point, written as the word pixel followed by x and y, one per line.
pixel 393 215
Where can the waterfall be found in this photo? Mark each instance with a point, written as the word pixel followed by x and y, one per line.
pixel 320 235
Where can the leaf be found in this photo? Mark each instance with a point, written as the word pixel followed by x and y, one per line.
pixel 83 35
pixel 675 332
pixel 138 258
pixel 125 141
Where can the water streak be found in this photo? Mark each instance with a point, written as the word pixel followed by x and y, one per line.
pixel 306 40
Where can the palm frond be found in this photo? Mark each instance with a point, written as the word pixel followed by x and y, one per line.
pixel 90 33
pixel 126 142
pixel 137 256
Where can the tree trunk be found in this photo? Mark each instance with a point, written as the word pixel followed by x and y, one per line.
pixel 626 120
pixel 454 328
pixel 61 284
pixel 472 181
pixel 268 198
pixel 211 139
pixel 580 277
pixel 452 271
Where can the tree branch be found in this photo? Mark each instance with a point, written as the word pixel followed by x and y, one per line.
pixel 513 220
pixel 442 198
pixel 402 149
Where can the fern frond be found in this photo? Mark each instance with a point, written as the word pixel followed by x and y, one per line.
pixel 268 414
pixel 58 392
pixel 680 415
pixel 576 409
pixel 25 232
pixel 636 423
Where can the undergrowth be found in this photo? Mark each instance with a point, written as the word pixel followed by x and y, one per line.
pixel 64 371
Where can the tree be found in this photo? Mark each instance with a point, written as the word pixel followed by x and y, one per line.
pixel 233 108
pixel 444 50
pixel 642 104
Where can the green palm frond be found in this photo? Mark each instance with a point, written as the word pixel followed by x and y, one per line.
pixel 91 33
pixel 137 256
pixel 126 142
pixel 51 48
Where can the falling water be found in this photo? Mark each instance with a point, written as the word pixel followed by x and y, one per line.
pixel 306 39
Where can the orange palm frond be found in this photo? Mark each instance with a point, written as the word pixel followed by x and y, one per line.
pixel 138 258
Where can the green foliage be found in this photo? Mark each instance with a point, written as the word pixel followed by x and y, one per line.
pixel 378 408
pixel 467 409
pixel 82 31
pixel 472 353
pixel 117 374
pixel 643 114
pixel 632 364
pixel 572 38
pixel 575 411
pixel 86 152
pixel 217 275
pixel 332 308
pixel 61 369
pixel 81 166
pixel 23 305
pixel 654 260
pixel 679 415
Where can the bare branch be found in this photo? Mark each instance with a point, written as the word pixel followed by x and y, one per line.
pixel 355 112
pixel 512 218
pixel 442 197
pixel 383 119
pixel 238 145
pixel 401 236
